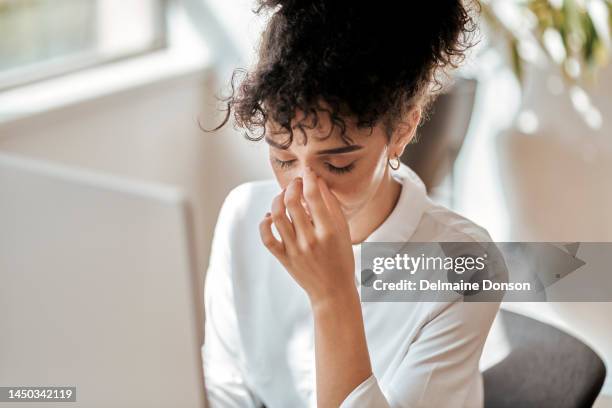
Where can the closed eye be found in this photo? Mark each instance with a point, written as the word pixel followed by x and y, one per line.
pixel 284 164
pixel 340 170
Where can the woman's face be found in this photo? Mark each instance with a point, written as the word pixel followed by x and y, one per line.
pixel 353 172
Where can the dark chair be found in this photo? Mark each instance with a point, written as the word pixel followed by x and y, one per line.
pixel 546 367
pixel 439 139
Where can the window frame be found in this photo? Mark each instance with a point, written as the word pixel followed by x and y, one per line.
pixel 62 66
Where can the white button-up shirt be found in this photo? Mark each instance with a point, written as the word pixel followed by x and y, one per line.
pixel 259 338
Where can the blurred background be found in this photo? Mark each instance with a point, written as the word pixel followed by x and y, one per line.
pixel 521 143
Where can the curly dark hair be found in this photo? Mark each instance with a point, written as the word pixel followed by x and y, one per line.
pixel 369 62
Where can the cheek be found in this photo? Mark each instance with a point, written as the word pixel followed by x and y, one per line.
pixel 354 190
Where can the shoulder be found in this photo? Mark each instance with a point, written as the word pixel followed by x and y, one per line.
pixel 247 202
pixel 439 223
pixel 252 189
pixel 247 195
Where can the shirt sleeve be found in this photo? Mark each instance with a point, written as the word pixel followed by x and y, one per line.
pixel 440 366
pixel 221 352
pixel 367 394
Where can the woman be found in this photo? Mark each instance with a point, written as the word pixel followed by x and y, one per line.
pixel 338 90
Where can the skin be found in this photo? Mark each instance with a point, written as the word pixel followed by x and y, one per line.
pixel 328 213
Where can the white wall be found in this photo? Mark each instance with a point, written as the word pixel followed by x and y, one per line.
pixel 148 133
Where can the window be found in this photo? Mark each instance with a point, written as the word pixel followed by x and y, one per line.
pixel 45 38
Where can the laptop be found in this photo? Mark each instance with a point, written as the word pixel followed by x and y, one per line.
pixel 99 293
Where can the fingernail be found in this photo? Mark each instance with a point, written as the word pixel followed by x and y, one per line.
pixel 268 214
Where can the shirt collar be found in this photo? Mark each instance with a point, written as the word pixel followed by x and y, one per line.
pixel 403 220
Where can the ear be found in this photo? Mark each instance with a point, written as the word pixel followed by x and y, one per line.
pixel 406 130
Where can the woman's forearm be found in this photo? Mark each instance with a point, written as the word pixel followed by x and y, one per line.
pixel 342 358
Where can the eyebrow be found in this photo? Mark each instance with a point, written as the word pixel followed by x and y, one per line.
pixel 335 150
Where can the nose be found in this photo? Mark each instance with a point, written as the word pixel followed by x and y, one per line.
pixel 301 172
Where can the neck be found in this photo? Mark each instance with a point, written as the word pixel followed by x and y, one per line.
pixel 376 211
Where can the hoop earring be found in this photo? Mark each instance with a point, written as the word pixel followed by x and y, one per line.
pixel 398 163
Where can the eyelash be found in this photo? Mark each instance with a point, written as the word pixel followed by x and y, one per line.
pixel 333 169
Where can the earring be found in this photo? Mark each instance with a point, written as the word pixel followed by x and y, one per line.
pixel 396 166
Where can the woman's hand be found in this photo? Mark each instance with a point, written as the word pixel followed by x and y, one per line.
pixel 315 250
